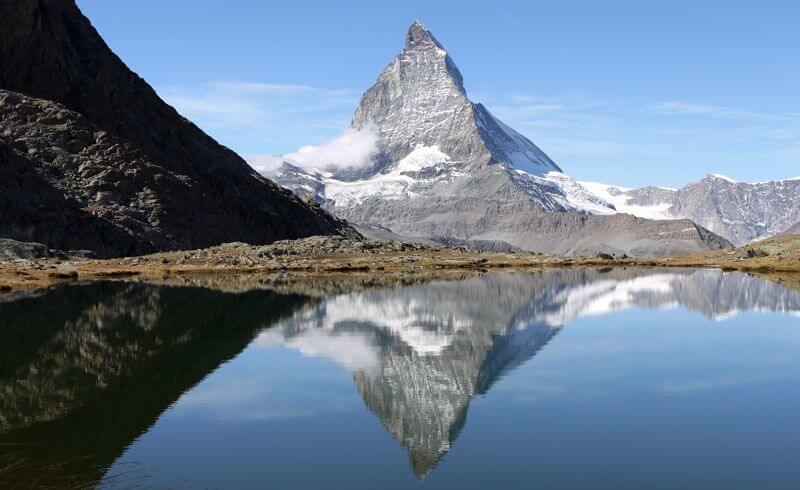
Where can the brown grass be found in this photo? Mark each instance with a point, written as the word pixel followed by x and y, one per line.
pixel 778 256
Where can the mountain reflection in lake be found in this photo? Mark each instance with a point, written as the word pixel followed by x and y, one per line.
pixel 656 378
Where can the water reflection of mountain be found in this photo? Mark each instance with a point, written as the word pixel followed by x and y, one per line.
pixel 420 354
pixel 84 370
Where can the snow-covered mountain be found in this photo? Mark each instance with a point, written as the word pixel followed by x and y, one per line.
pixel 448 169
pixel 738 211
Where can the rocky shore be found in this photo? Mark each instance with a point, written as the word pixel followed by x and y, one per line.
pixel 28 267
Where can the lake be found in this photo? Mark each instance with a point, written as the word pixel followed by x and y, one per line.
pixel 569 378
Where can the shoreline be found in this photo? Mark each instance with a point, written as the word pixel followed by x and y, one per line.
pixel 335 257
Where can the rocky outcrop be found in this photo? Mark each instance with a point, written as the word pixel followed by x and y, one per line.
pixel 94 159
pixel 14 250
pixel 503 222
pixel 449 170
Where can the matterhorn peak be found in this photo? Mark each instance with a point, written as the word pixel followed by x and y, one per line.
pixel 445 167
pixel 419 101
pixel 420 37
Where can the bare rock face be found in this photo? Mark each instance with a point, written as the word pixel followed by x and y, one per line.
pixel 93 159
pixel 449 170
pixel 739 211
pixel 420 99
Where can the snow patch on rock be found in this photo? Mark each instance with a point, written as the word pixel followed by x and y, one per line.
pixel 421 158
pixel 619 198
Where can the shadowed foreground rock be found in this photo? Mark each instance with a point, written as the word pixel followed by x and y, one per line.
pixel 91 158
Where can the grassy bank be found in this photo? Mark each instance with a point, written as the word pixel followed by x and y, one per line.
pixel 777 257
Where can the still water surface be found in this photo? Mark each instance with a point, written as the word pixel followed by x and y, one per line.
pixel 565 378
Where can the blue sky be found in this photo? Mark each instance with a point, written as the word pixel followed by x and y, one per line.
pixel 624 92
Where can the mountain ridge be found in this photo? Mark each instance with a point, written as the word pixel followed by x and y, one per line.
pixel 162 184
pixel 739 211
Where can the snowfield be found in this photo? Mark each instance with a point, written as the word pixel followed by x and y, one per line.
pixel 619 199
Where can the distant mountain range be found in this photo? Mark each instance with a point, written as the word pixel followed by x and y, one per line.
pixel 91 158
pixel 448 169
pixel 738 211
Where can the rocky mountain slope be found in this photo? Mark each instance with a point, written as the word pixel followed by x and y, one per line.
pixel 448 169
pixel 91 158
pixel 738 211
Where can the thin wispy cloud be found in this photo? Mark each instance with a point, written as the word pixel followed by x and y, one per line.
pixel 265 87
pixel 590 137
pixel 257 117
pixel 680 108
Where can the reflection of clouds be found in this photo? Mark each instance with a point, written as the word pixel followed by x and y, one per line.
pixel 714 383
pixel 283 388
pixel 721 317
pixel 599 347
pixel 254 402
pixel 417 322
pixel 353 350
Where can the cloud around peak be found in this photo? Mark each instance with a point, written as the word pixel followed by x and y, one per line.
pixel 353 148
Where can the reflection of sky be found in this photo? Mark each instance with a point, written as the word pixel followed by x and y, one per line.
pixel 673 354
pixel 271 383
pixel 624 392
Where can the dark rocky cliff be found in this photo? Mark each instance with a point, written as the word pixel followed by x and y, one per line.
pixel 96 160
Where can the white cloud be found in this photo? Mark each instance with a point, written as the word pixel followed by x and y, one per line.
pixel 351 149
pixel 266 164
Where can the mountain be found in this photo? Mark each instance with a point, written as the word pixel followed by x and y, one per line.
pixel 448 169
pixel 794 229
pixel 738 211
pixel 91 158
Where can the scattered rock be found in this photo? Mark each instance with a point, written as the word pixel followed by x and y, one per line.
pixel 753 252
pixel 15 250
